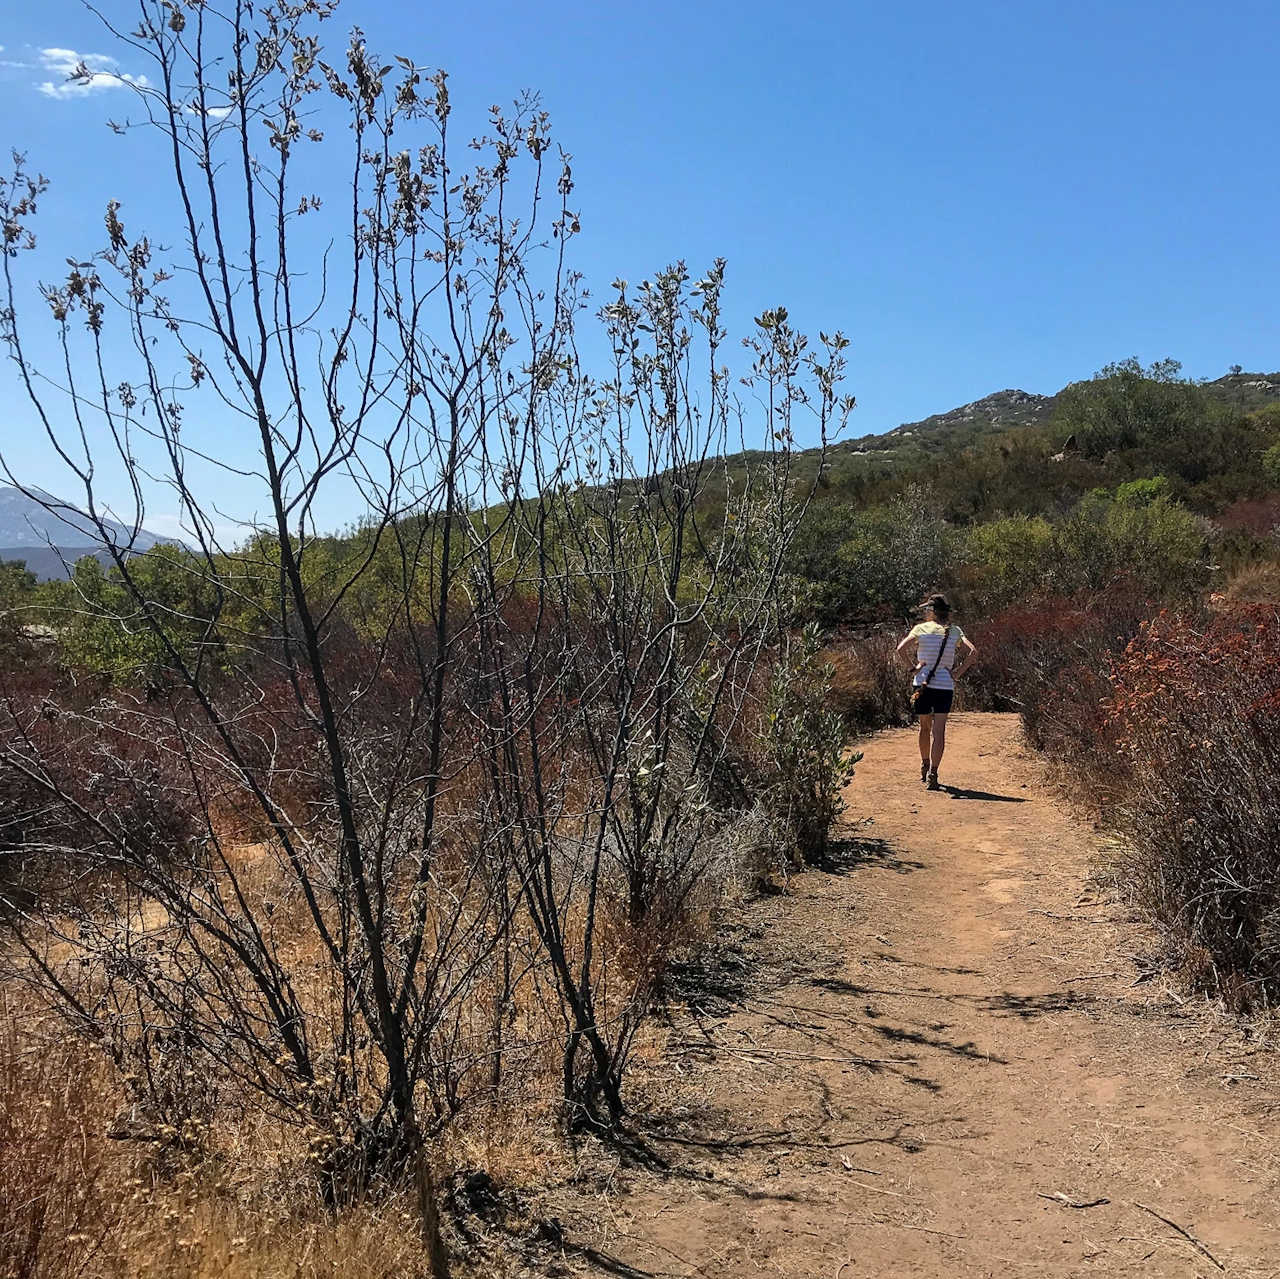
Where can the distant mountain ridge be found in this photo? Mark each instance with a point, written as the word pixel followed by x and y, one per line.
pixel 49 538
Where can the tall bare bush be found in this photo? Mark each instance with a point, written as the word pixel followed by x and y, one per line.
pixel 376 796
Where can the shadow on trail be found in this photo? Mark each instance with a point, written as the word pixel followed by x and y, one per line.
pixel 843 856
pixel 887 957
pixel 961 792
pixel 741 969
pixel 739 961
pixel 550 1232
pixel 906 1137
pixel 1028 1006
pixel 1005 1002
pixel 970 1050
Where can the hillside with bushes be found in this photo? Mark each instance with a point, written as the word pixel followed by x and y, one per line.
pixel 1136 475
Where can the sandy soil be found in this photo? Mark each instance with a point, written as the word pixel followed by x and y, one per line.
pixel 950 1054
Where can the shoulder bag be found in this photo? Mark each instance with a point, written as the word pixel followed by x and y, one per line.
pixel 915 700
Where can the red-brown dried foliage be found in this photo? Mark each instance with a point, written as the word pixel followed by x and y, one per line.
pixel 1193 720
pixel 870 686
pixel 1051 662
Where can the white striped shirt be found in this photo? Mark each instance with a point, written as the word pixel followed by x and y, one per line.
pixel 928 638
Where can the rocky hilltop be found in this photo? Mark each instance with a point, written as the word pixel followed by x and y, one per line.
pixel 1004 408
pixel 1012 408
pixel 1247 391
pixel 999 411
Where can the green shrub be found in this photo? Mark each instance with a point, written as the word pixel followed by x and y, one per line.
pixel 1014 559
pixel 1138 539
pixel 1135 422
pixel 1125 406
pixel 883 557
pixel 805 745
pixel 1144 492
pixel 1271 465
pixel 1155 546
pixel 17 605
pixel 104 631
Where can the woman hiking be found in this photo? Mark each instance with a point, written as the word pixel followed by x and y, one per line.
pixel 936 640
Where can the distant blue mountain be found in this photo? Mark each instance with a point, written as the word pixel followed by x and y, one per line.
pixel 49 534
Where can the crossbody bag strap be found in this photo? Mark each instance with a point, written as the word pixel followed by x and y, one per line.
pixel 946 635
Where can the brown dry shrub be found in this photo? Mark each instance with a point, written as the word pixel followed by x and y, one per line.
pixel 1257 517
pixel 1257 584
pixel 1193 724
pixel 1051 662
pixel 870 687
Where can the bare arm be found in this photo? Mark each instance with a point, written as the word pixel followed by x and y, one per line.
pixel 970 657
pixel 901 650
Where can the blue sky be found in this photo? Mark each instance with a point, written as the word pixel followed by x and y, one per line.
pixel 980 194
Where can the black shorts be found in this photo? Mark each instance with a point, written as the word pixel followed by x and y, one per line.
pixel 933 701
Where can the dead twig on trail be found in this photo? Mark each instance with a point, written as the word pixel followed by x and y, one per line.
pixel 902 1225
pixel 749 1053
pixel 897 1194
pixel 1198 1244
pixel 1078 919
pixel 1067 1202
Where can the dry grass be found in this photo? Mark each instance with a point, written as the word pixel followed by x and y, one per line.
pixel 1257 584
pixel 199 1236
pixel 870 686
pixel 77 1204
pixel 55 1162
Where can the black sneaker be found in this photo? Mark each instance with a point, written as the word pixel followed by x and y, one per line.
pixel 924 772
pixel 932 782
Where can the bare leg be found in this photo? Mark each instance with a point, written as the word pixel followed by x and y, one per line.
pixel 939 740
pixel 925 721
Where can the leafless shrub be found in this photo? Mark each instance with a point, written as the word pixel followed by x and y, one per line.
pixel 363 802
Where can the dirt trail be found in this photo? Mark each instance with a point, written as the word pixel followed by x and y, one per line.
pixel 898 1060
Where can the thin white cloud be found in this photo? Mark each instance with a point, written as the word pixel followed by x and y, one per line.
pixel 168 524
pixel 99 73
